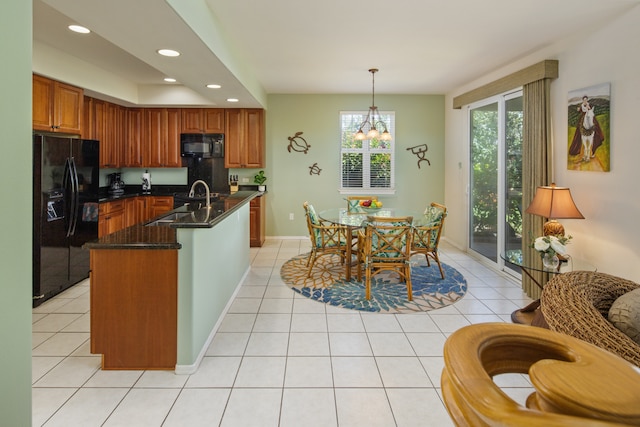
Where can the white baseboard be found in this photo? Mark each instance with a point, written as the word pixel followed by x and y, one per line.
pixel 190 369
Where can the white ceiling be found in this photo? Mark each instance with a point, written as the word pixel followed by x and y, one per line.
pixel 253 47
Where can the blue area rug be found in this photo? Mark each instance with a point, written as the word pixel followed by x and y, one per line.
pixel 388 294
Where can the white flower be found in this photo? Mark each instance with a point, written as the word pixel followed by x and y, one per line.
pixel 541 244
pixel 557 246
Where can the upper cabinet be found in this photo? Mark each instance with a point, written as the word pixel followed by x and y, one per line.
pixel 244 138
pixel 162 137
pixel 202 120
pixel 57 107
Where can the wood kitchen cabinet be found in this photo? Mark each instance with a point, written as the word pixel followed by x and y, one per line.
pixel 57 107
pixel 162 137
pixel 135 210
pixel 107 123
pixel 133 146
pixel 244 138
pixel 134 313
pixel 159 205
pixel 111 217
pixel 257 216
pixel 203 120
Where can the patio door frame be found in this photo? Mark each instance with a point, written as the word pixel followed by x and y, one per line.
pixel 501 101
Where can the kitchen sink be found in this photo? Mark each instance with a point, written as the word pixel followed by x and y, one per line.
pixel 168 219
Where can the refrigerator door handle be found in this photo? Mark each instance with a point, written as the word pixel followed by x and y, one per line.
pixel 75 199
pixel 66 185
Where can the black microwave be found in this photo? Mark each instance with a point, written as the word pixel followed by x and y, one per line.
pixel 205 145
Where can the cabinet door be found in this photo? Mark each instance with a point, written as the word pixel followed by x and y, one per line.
pixel 192 120
pixel 213 120
pixel 42 103
pixel 133 141
pixel 254 138
pixel 171 148
pixel 159 205
pixel 88 119
pixel 257 216
pixel 153 131
pixel 135 211
pixel 233 139
pixel 162 137
pixel 244 138
pixel 202 120
pixel 67 108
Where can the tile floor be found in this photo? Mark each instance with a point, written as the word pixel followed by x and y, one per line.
pixel 278 359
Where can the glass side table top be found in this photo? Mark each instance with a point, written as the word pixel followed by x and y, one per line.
pixel 514 256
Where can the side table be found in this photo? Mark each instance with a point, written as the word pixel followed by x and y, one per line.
pixel 531 314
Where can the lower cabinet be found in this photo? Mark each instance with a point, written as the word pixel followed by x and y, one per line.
pixel 159 205
pixel 123 213
pixel 111 217
pixel 257 221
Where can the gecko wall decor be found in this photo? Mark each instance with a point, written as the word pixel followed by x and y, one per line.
pixel 420 151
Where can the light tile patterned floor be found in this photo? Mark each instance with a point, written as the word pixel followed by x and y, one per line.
pixel 278 359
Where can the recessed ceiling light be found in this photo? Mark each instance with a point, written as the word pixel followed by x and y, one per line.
pixel 212 86
pixel 79 29
pixel 232 99
pixel 169 79
pixel 168 52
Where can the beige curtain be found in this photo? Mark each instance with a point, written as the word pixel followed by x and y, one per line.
pixel 537 163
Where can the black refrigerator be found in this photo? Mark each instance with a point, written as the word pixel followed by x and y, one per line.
pixel 65 211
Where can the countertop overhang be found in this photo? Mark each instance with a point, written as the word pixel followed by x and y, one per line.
pixel 143 236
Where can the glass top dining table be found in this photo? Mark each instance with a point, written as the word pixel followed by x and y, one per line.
pixel 354 220
pixel 340 216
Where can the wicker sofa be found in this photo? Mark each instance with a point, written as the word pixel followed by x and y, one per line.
pixel 577 304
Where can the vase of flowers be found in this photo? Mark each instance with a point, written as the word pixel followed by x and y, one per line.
pixel 550 248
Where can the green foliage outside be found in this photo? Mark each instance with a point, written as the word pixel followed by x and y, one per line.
pixel 484 152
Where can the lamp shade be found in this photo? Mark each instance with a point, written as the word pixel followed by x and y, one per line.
pixel 554 202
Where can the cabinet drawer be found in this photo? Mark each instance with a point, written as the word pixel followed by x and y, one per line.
pixel 109 207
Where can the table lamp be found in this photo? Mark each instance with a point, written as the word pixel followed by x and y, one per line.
pixel 553 203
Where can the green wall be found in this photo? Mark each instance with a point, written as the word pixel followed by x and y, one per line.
pixel 15 251
pixel 419 120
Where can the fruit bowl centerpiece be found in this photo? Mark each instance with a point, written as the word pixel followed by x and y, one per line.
pixel 370 206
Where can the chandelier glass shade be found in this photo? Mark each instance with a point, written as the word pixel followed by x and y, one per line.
pixel 373 126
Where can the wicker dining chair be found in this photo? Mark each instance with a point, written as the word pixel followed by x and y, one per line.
pixel 385 245
pixel 426 238
pixel 326 238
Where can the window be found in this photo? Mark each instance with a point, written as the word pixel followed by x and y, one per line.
pixel 369 164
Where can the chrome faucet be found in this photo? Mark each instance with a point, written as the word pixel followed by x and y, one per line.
pixel 206 187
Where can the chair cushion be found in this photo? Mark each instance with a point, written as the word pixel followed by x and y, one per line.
pixel 625 314
pixel 433 214
pixel 313 216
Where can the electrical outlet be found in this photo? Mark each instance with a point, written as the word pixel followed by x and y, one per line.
pixel 245 180
pixel 291 216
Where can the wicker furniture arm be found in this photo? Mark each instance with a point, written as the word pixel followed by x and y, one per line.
pixel 576 383
pixel 577 304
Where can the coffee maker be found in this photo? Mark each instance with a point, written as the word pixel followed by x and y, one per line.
pixel 116 184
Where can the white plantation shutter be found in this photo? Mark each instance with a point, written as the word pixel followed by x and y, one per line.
pixel 366 166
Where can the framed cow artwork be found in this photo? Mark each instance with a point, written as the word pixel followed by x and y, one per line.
pixel 588 124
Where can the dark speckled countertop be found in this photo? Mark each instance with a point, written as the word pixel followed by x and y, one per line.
pixel 144 236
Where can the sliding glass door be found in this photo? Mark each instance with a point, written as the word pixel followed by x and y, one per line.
pixel 495 197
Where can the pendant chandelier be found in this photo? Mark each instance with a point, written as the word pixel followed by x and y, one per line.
pixel 373 120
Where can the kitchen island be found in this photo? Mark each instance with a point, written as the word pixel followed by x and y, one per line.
pixel 158 291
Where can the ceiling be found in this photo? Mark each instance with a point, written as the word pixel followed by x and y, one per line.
pixel 253 48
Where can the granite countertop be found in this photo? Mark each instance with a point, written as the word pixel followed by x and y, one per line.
pixel 145 236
